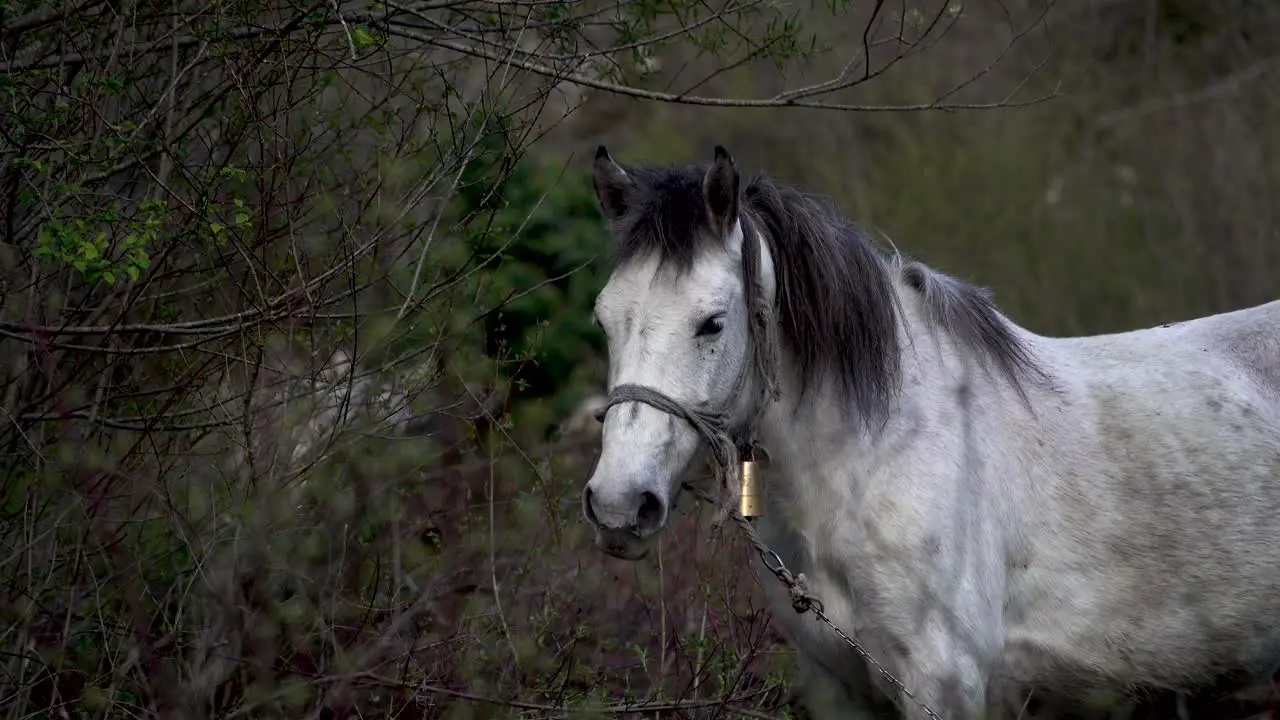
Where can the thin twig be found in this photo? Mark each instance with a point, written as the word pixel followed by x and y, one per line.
pixel 624 708
pixel 681 99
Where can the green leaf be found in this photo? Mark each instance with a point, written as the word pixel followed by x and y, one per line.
pixel 362 37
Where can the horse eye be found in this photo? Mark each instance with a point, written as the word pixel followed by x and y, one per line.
pixel 712 326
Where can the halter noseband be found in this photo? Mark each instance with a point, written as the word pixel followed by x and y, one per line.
pixel 714 428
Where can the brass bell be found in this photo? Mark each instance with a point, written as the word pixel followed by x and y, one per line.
pixel 751 499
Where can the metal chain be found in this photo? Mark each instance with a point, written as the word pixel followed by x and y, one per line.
pixel 803 601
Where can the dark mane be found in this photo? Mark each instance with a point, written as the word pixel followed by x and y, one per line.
pixel 837 311
pixel 835 302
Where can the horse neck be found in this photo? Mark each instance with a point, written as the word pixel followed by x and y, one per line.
pixel 811 435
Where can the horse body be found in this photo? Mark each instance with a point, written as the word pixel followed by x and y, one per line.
pixel 1120 530
pixel 985 509
pixel 1158 492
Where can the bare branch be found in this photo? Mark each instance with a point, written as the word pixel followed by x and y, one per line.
pixel 579 79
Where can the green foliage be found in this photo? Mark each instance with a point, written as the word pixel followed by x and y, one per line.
pixel 105 244
pixel 554 263
pixel 532 230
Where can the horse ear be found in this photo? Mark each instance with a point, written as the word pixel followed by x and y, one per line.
pixel 720 192
pixel 612 185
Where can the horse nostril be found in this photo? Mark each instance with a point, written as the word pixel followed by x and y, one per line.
pixel 649 516
pixel 587 509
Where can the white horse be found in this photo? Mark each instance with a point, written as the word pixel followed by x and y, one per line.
pixel 980 506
